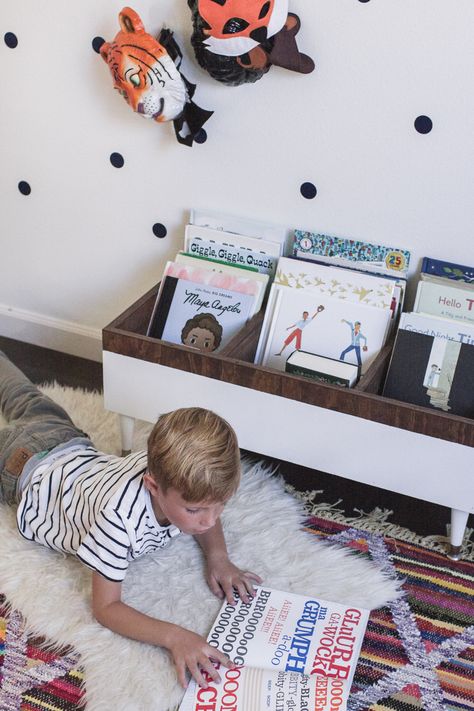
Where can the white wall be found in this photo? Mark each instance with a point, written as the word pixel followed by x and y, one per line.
pixel 80 247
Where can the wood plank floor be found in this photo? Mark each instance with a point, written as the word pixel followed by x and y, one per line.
pixel 45 365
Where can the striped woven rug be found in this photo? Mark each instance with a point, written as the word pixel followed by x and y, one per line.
pixel 417 654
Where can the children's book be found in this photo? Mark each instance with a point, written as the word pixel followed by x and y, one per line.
pixel 228 277
pixel 186 257
pixel 232 248
pixel 344 284
pixel 356 254
pixel 325 370
pixel 243 226
pixel 438 327
pixel 291 651
pixel 197 315
pixel 447 270
pixel 445 300
pixel 267 321
pixel 321 324
pixel 435 372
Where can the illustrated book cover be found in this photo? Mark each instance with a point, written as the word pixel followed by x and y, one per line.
pixel 198 315
pixel 435 372
pixel 444 299
pixel 344 330
pixel 447 270
pixel 290 652
pixel 232 248
pixel 339 283
pixel 357 254
pixel 325 370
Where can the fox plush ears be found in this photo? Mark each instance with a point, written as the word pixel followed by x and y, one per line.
pixel 146 73
pixel 237 41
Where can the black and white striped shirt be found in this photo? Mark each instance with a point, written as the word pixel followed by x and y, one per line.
pixel 95 506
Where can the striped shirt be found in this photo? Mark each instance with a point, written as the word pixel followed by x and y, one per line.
pixel 94 506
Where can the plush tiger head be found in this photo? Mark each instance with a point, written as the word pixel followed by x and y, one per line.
pixel 143 72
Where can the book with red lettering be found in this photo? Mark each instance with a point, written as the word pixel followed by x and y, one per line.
pixel 291 652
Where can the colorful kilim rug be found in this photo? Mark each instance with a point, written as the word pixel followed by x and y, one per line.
pixel 418 652
pixel 33 678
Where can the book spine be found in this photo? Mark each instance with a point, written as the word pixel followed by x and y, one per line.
pixel 447 270
pixel 162 307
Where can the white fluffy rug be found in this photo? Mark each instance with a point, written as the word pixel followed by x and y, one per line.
pixel 262 525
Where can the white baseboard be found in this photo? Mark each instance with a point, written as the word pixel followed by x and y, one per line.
pixel 40 330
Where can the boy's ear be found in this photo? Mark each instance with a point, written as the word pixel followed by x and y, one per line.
pixel 151 484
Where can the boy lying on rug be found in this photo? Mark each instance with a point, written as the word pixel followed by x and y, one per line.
pixel 109 510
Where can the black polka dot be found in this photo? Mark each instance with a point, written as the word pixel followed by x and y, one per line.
pixel 97 43
pixel 363 0
pixel 24 187
pixel 201 136
pixel 308 190
pixel 11 40
pixel 117 160
pixel 159 230
pixel 423 124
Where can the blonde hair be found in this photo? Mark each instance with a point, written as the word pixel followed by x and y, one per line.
pixel 196 452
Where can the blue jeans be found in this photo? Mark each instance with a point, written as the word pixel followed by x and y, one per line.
pixel 35 424
pixel 348 350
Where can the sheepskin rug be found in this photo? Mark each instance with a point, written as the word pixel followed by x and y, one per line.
pixel 263 530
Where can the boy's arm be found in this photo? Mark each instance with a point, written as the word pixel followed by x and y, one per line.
pixel 189 651
pixel 222 575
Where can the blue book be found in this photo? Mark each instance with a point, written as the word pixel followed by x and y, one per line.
pixel 448 270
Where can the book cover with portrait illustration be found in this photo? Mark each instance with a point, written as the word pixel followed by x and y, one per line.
pixel 201 316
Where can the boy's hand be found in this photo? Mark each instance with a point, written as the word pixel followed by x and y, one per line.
pixel 223 576
pixel 191 652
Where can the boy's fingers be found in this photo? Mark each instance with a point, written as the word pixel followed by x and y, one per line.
pixel 254 576
pixel 216 588
pixel 207 666
pixel 219 656
pixel 197 676
pixel 181 672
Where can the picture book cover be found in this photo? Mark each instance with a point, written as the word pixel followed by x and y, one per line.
pixel 444 300
pixel 339 283
pixel 231 279
pixel 291 653
pixel 198 315
pixel 437 327
pixel 448 270
pixel 363 255
pixel 432 372
pixel 344 330
pixel 232 248
pixel 322 369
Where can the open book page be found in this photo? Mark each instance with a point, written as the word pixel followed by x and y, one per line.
pixel 292 648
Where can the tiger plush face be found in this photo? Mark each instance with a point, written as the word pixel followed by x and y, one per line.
pixel 143 72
